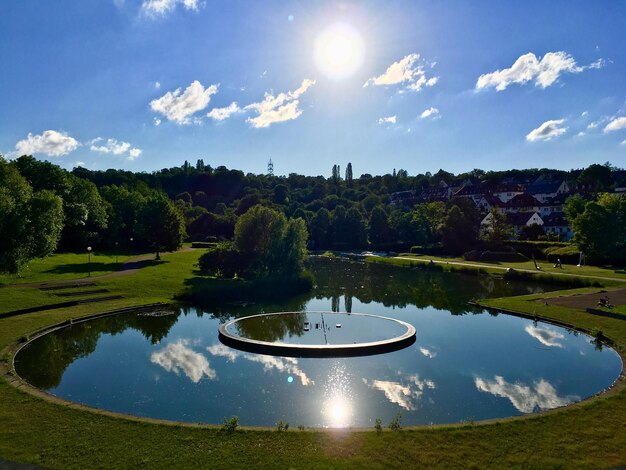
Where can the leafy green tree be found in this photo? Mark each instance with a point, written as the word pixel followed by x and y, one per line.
pixel 497 229
pixel 321 229
pixel 30 223
pixel 86 215
pixel 600 230
pixel 379 230
pixel 459 230
pixel 349 176
pixel 356 231
pixel 266 245
pixel 160 225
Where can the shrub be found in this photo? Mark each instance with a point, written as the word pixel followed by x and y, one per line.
pixel 230 425
pixel 280 426
pixel 378 426
pixel 396 422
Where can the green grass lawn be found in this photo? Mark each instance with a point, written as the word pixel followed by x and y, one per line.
pixel 591 434
pixel 64 266
pixel 616 273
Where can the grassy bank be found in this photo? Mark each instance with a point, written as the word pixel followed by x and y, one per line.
pixel 585 435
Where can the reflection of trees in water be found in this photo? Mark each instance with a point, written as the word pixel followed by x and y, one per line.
pixel 272 327
pixel 399 287
pixel 43 362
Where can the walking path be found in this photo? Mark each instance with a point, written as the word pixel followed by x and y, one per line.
pixel 503 268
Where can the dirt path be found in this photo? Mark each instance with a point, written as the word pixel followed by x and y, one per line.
pixel 128 267
pixel 503 268
pixel 583 301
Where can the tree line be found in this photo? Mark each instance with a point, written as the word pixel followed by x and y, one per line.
pixel 158 210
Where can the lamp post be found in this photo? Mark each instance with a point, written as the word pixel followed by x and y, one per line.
pixel 89 265
pixel 116 252
pixel 131 243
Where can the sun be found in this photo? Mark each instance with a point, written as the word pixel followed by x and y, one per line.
pixel 338 51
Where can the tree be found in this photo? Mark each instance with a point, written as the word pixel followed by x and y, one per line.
pixel 349 176
pixel 30 223
pixel 161 225
pixel 497 229
pixel 459 230
pixel 86 215
pixel 600 230
pixel 321 229
pixel 266 245
pixel 379 230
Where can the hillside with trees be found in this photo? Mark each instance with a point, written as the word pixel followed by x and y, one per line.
pixel 435 213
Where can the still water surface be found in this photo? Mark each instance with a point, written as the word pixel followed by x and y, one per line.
pixel 465 365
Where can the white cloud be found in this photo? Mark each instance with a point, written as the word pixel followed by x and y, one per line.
pixel 50 143
pixel 114 147
pixel 430 112
pixel 134 153
pixel 157 121
pixel 404 395
pixel 281 364
pixel 161 7
pixel 407 71
pixel 387 120
pixel 157 85
pixel 220 114
pixel 546 336
pixel 623 142
pixel 584 113
pixel 178 106
pixel 526 399
pixel 176 357
pixel 616 124
pixel 428 353
pixel 80 164
pixel 110 146
pixel 280 108
pixel 529 68
pixel 548 130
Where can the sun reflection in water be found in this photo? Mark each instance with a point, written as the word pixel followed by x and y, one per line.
pixel 337 409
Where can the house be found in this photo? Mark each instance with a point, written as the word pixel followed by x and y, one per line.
pixel 516 219
pixel 556 224
pixel 404 198
pixel 522 203
pixel 546 187
pixel 441 192
pixel 472 191
pixel 554 204
pixel 487 202
pixel 507 191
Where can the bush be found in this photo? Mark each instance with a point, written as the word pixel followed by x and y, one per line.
pixel 396 422
pixel 230 425
pixel 432 250
pixel 203 244
pixel 223 260
pixel 569 254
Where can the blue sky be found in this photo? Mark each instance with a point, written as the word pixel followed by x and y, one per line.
pixel 419 85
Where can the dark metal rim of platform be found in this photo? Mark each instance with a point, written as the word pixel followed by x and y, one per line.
pixel 313 350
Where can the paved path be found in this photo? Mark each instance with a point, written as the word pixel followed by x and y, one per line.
pixel 128 267
pixel 504 268
pixel 582 301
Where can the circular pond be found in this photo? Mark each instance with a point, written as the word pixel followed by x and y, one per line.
pixel 323 334
pixel 465 365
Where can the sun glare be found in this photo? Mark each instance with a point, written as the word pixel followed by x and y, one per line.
pixel 339 51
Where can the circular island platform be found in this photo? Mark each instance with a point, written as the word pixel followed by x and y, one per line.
pixel 317 334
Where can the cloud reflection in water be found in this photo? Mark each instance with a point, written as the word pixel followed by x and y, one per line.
pixel 281 364
pixel 179 356
pixel 527 399
pixel 404 395
pixel 546 336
